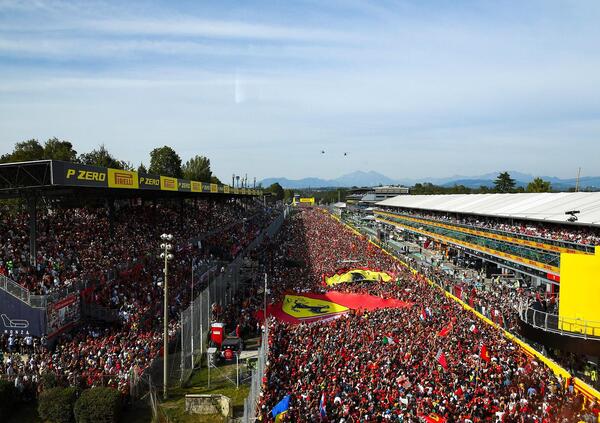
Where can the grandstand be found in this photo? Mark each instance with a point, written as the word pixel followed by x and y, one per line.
pixel 79 265
pixel 545 242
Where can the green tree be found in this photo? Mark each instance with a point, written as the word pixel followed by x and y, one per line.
pixel 165 161
pixel 288 194
pixel 277 191
pixel 142 169
pixel 101 157
pixel 26 151
pixel 197 169
pixel 56 149
pixel 539 185
pixel 459 189
pixel 504 183
pixel 215 180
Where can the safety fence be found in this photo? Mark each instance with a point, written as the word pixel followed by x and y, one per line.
pixel 550 322
pixel 251 401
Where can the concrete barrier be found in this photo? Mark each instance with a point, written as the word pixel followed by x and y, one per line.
pixel 208 404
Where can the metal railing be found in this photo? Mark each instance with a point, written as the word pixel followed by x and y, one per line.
pixel 14 289
pixel 40 301
pixel 560 243
pixel 569 326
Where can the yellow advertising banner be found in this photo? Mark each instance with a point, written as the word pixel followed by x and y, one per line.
pixel 122 179
pixel 578 309
pixel 168 184
pixel 196 186
pixel 226 189
pixel 214 188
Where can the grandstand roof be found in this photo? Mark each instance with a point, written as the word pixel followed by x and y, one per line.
pixel 540 207
pixel 58 178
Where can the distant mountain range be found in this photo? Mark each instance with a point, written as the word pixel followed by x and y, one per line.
pixel 372 178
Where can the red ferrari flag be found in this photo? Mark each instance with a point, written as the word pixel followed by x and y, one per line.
pixel 484 354
pixel 440 357
pixel 445 330
pixel 434 418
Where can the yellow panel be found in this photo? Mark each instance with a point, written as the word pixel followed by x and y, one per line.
pixel 168 184
pixel 196 186
pixel 578 305
pixel 122 179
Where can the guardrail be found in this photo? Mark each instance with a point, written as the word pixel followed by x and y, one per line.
pixel 14 289
pixel 568 326
pixel 39 301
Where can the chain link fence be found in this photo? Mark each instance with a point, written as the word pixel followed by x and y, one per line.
pixel 221 290
pixel 251 401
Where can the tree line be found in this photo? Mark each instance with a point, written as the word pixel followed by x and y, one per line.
pixel 504 183
pixel 163 160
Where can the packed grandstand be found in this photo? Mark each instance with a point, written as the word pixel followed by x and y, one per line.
pixel 355 334
pixel 77 245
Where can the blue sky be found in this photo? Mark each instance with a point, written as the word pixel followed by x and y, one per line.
pixel 406 88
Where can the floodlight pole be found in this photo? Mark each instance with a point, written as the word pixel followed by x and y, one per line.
pixel 166 255
pixel 166 331
pixel 192 315
pixel 265 301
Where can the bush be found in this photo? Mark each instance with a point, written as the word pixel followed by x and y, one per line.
pixel 56 404
pixel 8 397
pixel 98 405
pixel 48 380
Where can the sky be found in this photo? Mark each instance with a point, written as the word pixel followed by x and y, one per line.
pixel 410 89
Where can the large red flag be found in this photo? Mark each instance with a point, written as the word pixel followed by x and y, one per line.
pixel 484 354
pixel 445 330
pixel 441 358
pixel 434 418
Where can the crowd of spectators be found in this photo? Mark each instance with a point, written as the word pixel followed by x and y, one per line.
pixel 206 235
pixel 81 243
pixel 387 365
pixel 550 231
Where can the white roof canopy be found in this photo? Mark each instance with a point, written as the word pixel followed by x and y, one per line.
pixel 542 206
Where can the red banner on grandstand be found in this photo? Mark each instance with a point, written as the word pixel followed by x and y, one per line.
pixel 63 314
pixel 308 307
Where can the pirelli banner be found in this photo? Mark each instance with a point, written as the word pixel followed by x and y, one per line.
pixel 73 174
